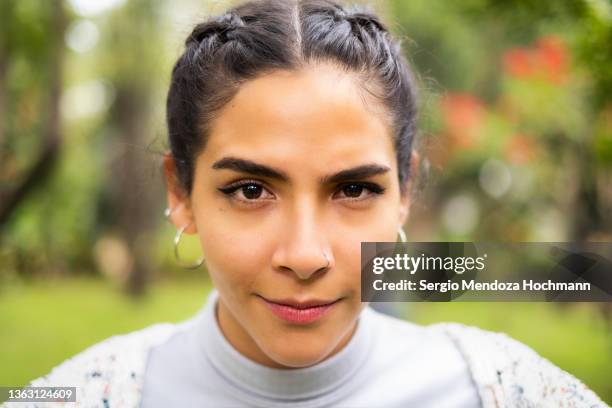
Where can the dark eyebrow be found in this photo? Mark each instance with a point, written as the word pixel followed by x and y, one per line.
pixel 248 166
pixel 355 173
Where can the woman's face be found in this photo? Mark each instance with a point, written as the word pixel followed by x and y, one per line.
pixel 298 170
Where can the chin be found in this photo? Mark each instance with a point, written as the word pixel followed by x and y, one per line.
pixel 297 359
pixel 298 353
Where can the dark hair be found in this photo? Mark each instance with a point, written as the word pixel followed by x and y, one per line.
pixel 261 36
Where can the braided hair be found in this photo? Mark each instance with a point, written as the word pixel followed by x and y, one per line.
pixel 261 36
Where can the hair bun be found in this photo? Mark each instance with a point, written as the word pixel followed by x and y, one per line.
pixel 232 21
pixel 366 20
pixel 358 18
pixel 223 26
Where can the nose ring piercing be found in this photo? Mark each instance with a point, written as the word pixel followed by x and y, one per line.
pixel 327 259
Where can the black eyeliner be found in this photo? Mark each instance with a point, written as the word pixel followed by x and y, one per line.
pixel 373 187
pixel 233 187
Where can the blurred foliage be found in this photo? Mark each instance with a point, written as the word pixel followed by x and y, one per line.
pixel 515 118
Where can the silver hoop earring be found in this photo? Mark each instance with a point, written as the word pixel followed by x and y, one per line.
pixel 168 212
pixel 177 239
pixel 402 235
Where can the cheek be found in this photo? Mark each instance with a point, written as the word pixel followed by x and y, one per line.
pixel 348 250
pixel 235 250
pixel 379 226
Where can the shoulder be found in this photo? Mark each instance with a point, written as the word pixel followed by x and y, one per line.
pixel 109 373
pixel 412 346
pixel 401 340
pixel 402 335
pixel 419 362
pixel 509 373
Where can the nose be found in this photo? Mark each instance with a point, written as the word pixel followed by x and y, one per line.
pixel 302 247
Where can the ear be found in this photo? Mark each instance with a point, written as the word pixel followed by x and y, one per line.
pixel 405 200
pixel 178 199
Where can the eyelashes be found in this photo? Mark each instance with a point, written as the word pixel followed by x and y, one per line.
pixel 360 186
pixel 253 192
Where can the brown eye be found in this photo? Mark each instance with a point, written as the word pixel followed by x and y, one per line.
pixel 358 191
pixel 252 191
pixel 247 192
pixel 352 190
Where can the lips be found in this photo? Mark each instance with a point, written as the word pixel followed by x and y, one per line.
pixel 300 311
pixel 302 304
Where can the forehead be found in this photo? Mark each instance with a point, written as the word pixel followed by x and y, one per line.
pixel 289 116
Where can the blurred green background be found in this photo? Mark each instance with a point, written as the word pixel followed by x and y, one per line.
pixel 515 135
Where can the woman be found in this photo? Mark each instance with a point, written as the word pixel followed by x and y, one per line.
pixel 291 128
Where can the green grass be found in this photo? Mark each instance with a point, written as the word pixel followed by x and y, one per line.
pixel 44 323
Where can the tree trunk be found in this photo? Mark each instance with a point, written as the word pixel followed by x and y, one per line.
pixel 41 169
pixel 134 196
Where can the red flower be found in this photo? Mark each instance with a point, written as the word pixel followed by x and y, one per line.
pixel 551 57
pixel 463 114
pixel 518 62
pixel 548 59
pixel 520 149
